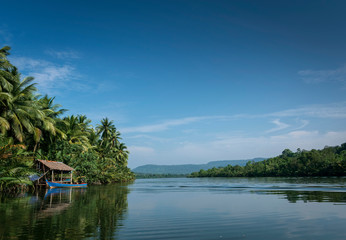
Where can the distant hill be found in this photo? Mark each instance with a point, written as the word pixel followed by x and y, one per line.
pixel 189 168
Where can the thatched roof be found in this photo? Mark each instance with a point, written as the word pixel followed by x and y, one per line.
pixel 52 165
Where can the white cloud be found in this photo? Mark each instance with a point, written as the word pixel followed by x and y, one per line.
pixel 303 123
pixel 279 126
pixel 53 75
pixel 164 125
pixel 317 76
pixel 221 143
pixel 68 54
pixel 239 147
pixel 48 75
pixel 24 63
pixel 334 110
pixel 141 150
pixel 148 137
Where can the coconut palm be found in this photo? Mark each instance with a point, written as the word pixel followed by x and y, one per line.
pixel 47 127
pixel 106 129
pixel 108 133
pixel 19 110
pixel 76 132
pixel 5 69
pixel 122 154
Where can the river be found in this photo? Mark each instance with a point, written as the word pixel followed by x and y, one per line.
pixel 182 208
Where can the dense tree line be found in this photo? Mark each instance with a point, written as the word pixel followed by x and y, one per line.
pixel 330 161
pixel 35 127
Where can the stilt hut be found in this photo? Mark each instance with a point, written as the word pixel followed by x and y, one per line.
pixel 54 171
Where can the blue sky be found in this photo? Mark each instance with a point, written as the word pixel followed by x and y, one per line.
pixel 191 81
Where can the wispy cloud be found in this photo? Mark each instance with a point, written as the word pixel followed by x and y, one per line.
pixel 237 147
pixel 288 132
pixel 141 150
pixel 303 124
pixel 64 55
pixel 334 110
pixel 53 76
pixel 48 75
pixel 317 76
pixel 25 63
pixel 148 137
pixel 279 126
pixel 164 125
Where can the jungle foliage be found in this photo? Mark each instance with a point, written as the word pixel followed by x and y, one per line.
pixel 330 161
pixel 33 127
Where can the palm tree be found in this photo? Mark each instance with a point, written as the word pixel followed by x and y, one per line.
pixel 47 128
pixel 5 69
pixel 19 109
pixel 106 129
pixel 5 86
pixel 108 133
pixel 76 132
pixel 94 138
pixel 122 154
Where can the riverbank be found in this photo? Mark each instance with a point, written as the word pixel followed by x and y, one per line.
pixel 330 161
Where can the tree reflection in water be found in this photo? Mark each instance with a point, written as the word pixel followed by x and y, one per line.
pixel 311 196
pixel 94 212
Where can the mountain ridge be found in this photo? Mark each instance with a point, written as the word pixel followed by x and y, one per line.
pixel 189 168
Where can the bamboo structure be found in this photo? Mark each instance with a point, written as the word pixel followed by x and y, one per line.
pixel 55 168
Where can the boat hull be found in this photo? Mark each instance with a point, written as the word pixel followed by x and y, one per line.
pixel 65 185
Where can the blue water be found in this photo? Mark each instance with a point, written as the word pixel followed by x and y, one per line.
pixel 206 208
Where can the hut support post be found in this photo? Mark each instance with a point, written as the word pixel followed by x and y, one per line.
pixel 71 176
pixel 52 175
pixel 60 176
pixel 44 170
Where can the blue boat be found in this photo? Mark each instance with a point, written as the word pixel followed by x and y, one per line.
pixel 65 185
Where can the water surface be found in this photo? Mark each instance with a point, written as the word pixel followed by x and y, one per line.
pixel 206 208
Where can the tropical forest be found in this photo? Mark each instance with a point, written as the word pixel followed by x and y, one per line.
pixel 34 126
pixel 330 161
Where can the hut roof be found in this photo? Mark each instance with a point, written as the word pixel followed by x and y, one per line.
pixel 53 165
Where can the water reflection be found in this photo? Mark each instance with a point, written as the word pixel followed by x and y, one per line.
pixel 56 201
pixel 182 209
pixel 95 212
pixel 311 196
pixel 236 208
pixel 292 189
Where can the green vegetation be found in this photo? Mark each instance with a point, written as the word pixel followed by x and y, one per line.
pixel 32 127
pixel 330 161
